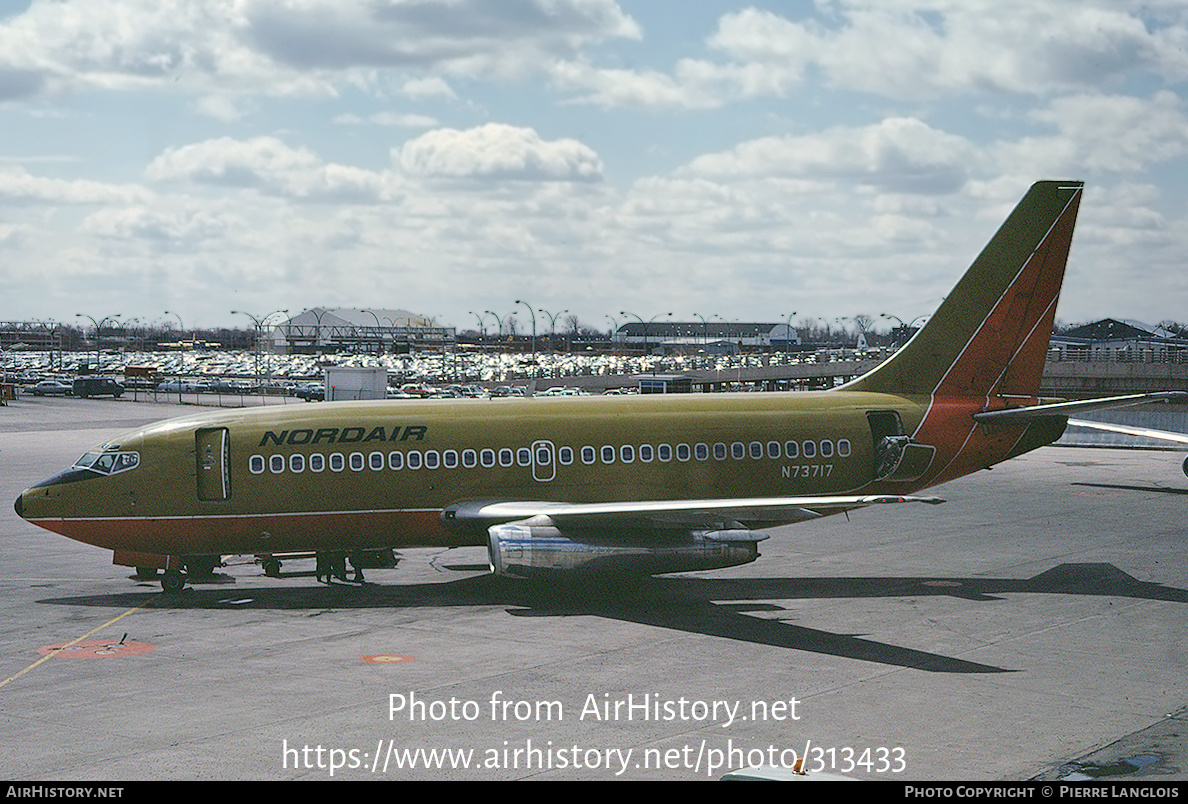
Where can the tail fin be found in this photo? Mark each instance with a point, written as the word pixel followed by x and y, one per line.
pixel 990 335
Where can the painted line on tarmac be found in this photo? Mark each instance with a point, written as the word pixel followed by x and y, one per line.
pixel 66 646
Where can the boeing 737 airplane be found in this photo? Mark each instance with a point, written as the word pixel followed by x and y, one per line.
pixel 643 485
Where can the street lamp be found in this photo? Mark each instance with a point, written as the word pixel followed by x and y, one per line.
pixel 788 332
pixel 98 325
pixel 645 326
pixel 533 314
pixel 259 342
pixel 904 328
pixel 378 327
pixel 317 339
pixel 552 323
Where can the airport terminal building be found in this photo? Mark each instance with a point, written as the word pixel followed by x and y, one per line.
pixel 673 337
pixel 335 329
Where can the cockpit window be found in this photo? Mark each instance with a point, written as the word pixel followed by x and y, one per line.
pixel 108 463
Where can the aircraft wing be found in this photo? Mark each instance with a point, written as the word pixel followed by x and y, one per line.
pixel 665 513
pixel 1162 435
pixel 1065 409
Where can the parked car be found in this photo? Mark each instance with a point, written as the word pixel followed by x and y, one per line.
pixel 50 388
pixel 314 392
pixel 87 387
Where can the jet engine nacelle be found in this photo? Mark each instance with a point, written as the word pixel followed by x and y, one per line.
pixel 526 549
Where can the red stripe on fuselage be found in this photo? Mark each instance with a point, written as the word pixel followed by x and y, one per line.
pixel 232 535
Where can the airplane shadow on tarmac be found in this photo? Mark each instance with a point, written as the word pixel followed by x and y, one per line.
pixel 713 607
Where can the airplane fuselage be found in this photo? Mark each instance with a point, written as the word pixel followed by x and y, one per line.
pixel 378 474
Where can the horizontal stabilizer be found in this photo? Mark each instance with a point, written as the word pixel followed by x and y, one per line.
pixel 1065 409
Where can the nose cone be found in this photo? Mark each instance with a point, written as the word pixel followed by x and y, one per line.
pixel 19 505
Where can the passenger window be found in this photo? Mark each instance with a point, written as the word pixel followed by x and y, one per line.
pixel 376 461
pixel 646 453
pixel 449 459
pixel 826 449
pixel 608 454
pixel 627 453
pixel 524 456
pixel 701 452
pixel 395 460
pixel 565 455
pixel 469 458
pixel 738 450
pixel 297 463
pixel 664 452
pixel 356 461
pixel 808 449
pixel 432 459
pixel 276 464
pixel 843 448
pixel 756 450
pixel 791 449
pixel 337 462
pixel 505 457
pixel 317 462
pixel 588 455
pixel 413 459
pixel 773 449
pixel 682 452
pixel 255 464
pixel 720 451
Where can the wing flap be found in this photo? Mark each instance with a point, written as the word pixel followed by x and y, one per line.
pixel 665 513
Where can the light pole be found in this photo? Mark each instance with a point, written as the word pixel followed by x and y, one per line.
pixel 645 326
pixel 180 339
pixel 378 327
pixel 553 325
pixel 788 332
pixel 904 328
pixel 532 313
pixel 181 328
pixel 259 344
pixel 98 325
pixel 317 340
pixel 498 324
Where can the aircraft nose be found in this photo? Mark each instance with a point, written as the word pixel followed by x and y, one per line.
pixel 19 505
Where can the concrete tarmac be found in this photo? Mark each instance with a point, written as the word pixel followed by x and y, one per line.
pixel 1034 626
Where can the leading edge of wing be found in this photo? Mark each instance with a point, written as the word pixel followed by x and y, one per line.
pixel 675 512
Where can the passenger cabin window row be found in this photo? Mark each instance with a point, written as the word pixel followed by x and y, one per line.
pixel 489 458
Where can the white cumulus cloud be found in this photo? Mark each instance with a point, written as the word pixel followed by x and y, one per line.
pixel 498 151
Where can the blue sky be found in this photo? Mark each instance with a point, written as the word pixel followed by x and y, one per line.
pixel 830 159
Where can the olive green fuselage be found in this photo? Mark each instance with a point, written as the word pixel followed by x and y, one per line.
pixel 378 474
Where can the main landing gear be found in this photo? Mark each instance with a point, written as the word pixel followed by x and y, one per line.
pixel 197 567
pixel 173 581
